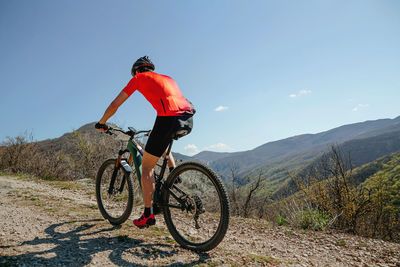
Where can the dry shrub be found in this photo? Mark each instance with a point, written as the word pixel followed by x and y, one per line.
pixel 80 160
pixel 295 211
pixel 21 155
pixel 384 220
pixel 242 199
pixel 329 188
pixel 89 153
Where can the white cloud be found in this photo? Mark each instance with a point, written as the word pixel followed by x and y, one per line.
pixel 191 149
pixel 304 92
pixel 360 106
pixel 300 93
pixel 220 108
pixel 219 147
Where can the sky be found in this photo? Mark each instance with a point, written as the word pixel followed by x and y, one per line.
pixel 257 71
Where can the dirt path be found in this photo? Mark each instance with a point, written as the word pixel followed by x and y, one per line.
pixel 58 224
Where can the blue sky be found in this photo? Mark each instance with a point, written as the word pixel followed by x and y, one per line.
pixel 257 71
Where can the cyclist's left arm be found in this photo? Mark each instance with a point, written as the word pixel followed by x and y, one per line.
pixel 112 108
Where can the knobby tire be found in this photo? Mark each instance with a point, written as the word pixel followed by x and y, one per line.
pixel 197 170
pixel 101 177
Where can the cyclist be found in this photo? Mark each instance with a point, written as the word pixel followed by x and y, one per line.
pixel 174 111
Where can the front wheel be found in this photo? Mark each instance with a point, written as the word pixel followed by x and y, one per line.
pixel 196 206
pixel 114 192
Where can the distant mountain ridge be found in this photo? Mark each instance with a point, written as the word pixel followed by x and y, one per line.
pixel 295 153
pixel 210 156
pixel 275 150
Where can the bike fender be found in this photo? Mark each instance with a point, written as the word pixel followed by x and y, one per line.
pixel 126 166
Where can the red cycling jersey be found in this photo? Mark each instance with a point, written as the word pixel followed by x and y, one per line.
pixel 161 91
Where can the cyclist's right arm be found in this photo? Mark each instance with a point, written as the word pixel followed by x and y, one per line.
pixel 113 107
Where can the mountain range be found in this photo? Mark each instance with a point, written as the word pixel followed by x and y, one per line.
pixel 364 141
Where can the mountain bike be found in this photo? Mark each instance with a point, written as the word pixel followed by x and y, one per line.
pixel 192 198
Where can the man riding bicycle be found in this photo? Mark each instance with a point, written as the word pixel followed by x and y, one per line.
pixel 172 109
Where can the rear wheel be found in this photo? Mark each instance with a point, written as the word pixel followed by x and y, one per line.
pixel 197 206
pixel 115 200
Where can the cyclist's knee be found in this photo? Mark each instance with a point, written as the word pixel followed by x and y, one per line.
pixel 148 163
pixel 147 170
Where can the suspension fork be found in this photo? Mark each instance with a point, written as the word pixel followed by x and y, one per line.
pixel 118 165
pixel 114 174
pixel 121 188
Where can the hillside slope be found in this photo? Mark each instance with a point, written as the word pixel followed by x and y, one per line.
pixel 360 150
pixel 67 142
pixel 383 172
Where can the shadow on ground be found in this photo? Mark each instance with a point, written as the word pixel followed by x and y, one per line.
pixel 78 246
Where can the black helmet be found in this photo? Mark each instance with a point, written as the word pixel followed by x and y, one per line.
pixel 143 62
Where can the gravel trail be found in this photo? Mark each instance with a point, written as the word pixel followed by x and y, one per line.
pixel 49 223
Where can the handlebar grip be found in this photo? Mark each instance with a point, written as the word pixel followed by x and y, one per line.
pixel 101 126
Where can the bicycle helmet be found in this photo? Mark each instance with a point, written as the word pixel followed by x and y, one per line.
pixel 142 63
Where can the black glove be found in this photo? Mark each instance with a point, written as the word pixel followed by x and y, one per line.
pixel 101 126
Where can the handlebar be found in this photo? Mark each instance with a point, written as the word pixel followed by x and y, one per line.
pixel 131 131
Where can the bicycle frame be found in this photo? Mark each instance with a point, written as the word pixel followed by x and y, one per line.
pixel 136 154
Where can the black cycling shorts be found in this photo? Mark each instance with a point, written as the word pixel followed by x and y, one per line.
pixel 163 131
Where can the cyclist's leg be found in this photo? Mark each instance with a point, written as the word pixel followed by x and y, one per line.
pixel 172 165
pixel 148 163
pixel 160 138
pixel 156 145
pixel 171 160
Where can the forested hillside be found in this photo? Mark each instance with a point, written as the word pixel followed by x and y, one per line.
pixel 385 173
pixel 360 151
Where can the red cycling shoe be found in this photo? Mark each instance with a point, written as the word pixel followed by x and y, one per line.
pixel 143 222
